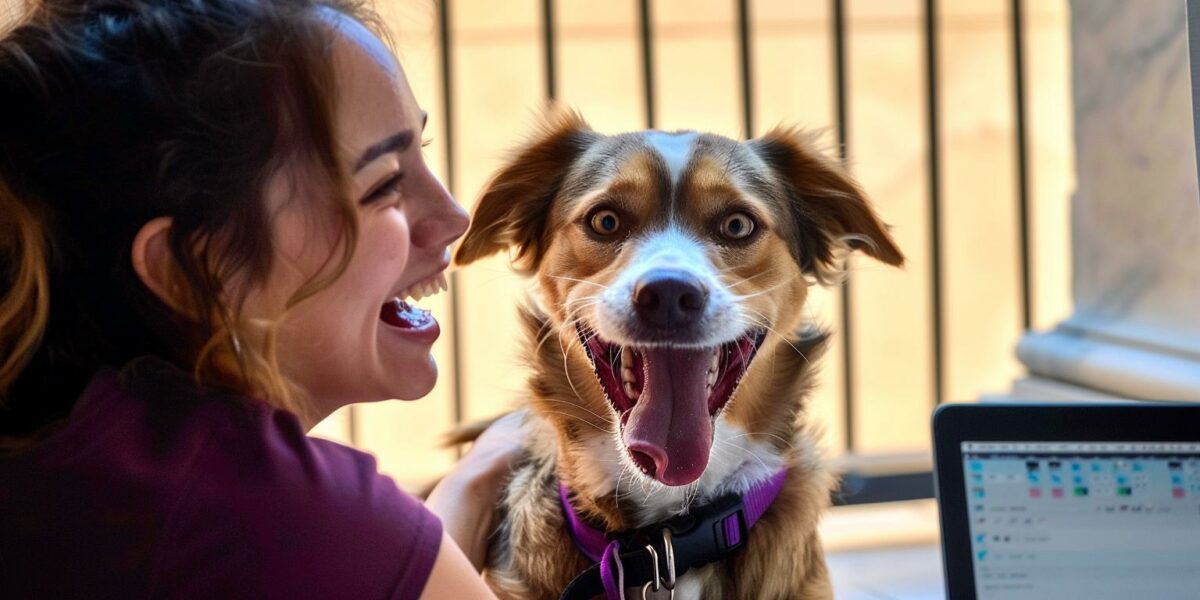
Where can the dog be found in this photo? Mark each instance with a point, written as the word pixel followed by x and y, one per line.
pixel 669 361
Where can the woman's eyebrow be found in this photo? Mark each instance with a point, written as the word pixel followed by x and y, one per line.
pixel 396 143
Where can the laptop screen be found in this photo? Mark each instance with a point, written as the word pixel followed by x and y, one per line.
pixel 1095 520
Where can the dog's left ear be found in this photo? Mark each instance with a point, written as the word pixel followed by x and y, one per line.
pixel 514 206
pixel 827 205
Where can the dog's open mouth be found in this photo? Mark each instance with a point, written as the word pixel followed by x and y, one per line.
pixel 668 398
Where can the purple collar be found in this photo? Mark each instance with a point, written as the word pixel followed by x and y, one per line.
pixel 711 532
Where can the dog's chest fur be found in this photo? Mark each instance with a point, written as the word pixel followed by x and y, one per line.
pixel 533 555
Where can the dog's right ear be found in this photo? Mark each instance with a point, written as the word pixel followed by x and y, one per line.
pixel 515 204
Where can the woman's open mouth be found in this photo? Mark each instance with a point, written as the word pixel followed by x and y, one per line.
pixel 668 397
pixel 402 312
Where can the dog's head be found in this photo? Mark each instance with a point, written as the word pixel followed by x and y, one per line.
pixel 666 262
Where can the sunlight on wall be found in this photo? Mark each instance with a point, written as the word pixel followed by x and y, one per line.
pixel 499 84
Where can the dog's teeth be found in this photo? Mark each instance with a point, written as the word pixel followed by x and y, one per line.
pixel 629 391
pixel 441 281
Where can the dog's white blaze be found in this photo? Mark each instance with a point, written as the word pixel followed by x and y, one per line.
pixel 724 319
pixel 675 149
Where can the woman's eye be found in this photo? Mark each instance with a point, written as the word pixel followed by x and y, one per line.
pixel 737 226
pixel 390 186
pixel 605 222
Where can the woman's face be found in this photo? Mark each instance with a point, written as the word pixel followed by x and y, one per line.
pixel 354 341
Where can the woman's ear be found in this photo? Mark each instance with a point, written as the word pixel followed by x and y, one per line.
pixel 515 204
pixel 152 260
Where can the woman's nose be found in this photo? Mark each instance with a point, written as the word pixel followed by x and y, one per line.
pixel 442 221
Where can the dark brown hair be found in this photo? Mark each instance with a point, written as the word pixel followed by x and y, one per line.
pixel 117 112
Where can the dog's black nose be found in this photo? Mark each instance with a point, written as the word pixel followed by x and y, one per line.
pixel 669 298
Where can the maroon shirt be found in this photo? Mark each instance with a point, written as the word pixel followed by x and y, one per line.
pixel 155 489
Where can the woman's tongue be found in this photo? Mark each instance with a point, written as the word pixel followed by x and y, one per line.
pixel 669 428
pixel 399 313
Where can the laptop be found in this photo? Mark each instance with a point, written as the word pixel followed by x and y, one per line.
pixel 1069 501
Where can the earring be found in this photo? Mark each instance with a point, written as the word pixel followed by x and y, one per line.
pixel 237 344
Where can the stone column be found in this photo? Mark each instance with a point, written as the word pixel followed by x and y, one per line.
pixel 1135 218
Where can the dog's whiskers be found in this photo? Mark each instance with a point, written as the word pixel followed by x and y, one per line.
pixel 786 442
pixel 744 451
pixel 578 418
pixel 750 278
pixel 565 278
pixel 606 419
pixel 740 297
pixel 567 368
pixel 762 322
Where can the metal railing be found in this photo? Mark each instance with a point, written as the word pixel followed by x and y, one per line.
pixel 903 480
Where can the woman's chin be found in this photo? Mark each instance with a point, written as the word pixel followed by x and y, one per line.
pixel 415 381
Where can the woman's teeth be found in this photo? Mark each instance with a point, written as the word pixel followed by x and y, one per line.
pixel 425 288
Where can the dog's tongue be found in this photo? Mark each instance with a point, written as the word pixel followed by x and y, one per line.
pixel 670 422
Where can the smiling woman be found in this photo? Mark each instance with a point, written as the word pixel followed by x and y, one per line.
pixel 225 250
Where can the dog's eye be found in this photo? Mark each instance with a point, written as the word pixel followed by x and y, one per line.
pixel 605 222
pixel 737 226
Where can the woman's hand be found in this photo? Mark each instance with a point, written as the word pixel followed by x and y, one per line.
pixel 465 499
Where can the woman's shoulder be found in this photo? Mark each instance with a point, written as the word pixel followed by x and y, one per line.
pixel 291 510
pixel 204 493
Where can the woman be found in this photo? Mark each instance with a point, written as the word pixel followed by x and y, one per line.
pixel 210 214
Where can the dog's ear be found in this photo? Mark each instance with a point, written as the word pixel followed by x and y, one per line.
pixel 515 203
pixel 827 205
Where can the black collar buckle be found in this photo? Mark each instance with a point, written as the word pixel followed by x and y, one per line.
pixel 708 534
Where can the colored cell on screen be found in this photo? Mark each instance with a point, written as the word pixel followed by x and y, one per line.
pixel 1035 492
pixel 1081 491
pixel 1124 491
pixel 1056 492
pixel 1177 493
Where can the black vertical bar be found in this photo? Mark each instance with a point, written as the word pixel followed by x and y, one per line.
pixel 456 308
pixel 1018 25
pixel 548 41
pixel 743 21
pixel 935 197
pixel 843 137
pixel 647 60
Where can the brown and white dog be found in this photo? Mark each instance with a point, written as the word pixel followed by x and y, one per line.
pixel 671 271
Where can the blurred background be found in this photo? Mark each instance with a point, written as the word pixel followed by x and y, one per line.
pixel 954 115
